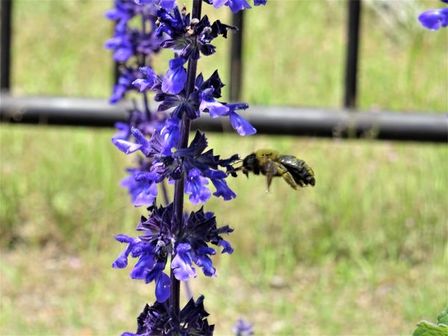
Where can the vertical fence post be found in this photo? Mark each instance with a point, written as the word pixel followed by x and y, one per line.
pixel 5 51
pixel 236 52
pixel 352 51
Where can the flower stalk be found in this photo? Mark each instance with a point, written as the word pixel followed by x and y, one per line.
pixel 180 184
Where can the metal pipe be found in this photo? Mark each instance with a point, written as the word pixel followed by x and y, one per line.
pixel 59 111
pixel 5 50
pixel 352 51
pixel 273 120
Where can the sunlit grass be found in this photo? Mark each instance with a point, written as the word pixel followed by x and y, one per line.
pixel 82 295
pixel 369 239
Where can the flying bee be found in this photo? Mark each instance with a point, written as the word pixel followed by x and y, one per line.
pixel 270 163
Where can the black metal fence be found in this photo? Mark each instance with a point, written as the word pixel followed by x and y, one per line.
pixel 345 122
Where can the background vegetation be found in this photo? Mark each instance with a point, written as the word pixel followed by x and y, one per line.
pixel 362 253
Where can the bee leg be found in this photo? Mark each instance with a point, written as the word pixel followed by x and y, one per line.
pixel 269 181
pixel 289 179
pixel 270 172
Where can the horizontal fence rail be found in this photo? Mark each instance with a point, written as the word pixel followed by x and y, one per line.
pixel 340 123
pixel 297 121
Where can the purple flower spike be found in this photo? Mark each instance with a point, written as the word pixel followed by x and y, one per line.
pixel 434 19
pixel 176 76
pixel 169 239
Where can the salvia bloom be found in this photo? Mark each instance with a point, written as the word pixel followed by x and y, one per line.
pixel 235 5
pixel 159 240
pixel 434 19
pixel 243 328
pixel 198 165
pixel 188 39
pixel 156 320
pixel 172 246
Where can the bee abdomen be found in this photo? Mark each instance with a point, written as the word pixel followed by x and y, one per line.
pixel 301 172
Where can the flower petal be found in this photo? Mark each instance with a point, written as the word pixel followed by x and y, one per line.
pixel 182 263
pixel 125 146
pixel 241 125
pixel 434 19
pixel 162 287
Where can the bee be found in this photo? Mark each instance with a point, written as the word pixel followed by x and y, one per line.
pixel 270 163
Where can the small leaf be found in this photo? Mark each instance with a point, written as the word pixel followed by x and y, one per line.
pixel 443 317
pixel 425 328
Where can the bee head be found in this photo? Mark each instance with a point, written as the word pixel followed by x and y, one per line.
pixel 250 163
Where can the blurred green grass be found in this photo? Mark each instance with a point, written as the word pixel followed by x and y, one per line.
pixel 364 252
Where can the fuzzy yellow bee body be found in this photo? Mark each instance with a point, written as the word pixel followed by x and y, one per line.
pixel 297 173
